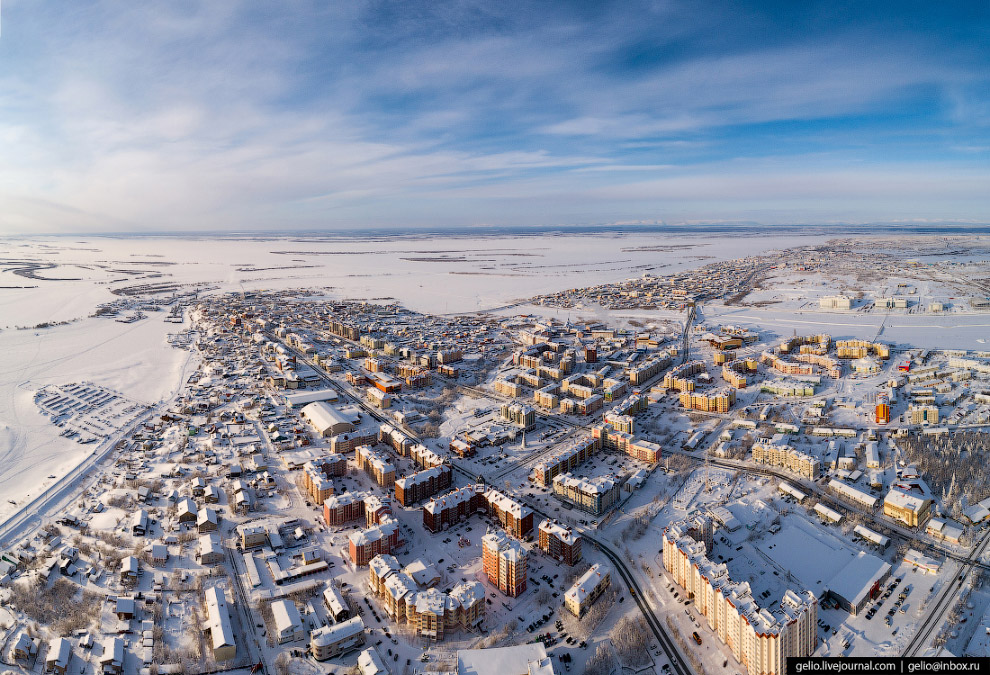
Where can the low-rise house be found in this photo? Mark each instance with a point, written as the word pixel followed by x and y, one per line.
pixel 210 549
pixel 288 623
pixel 130 569
pixel 23 647
pixel 187 510
pixel 208 520
pixel 59 656
pixel 112 659
pixel 159 555
pixel 124 608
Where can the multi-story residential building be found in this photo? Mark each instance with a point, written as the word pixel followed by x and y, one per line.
pixel 679 379
pixel 565 460
pixel 454 506
pixel 439 512
pixel 786 367
pixel 760 639
pixel 719 400
pixel 504 562
pixel 611 439
pixel 449 356
pixel 425 457
pixel 431 612
pixel 857 349
pixel 560 542
pixel 515 517
pixel 548 397
pixel 508 388
pixel 923 414
pixel 375 464
pixel 519 415
pixel 366 544
pixel 340 509
pixel 787 457
pixel 422 484
pixel 342 444
pixel 588 588
pixel 395 439
pixel 788 388
pixel 376 509
pixel 651 368
pixel 328 642
pixel 807 344
pixel 835 302
pixel 596 496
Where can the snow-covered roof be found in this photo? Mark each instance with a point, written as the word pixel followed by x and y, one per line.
pixel 328 635
pixel 218 618
pixel 514 660
pixel 370 663
pixel 287 619
pixel 854 581
pixel 590 580
pixel 310 396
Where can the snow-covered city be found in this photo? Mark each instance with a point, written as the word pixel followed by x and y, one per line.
pixel 702 470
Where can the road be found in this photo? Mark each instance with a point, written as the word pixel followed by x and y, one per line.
pixel 935 614
pixel 49 503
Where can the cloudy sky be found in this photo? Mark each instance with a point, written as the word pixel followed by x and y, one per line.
pixel 177 115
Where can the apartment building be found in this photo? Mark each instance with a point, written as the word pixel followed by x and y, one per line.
pixel 504 561
pixel 425 457
pixel 679 379
pixel 520 415
pixel 719 400
pixel 588 588
pixel 453 507
pixel 548 397
pixel 923 414
pixel 760 639
pixel 423 484
pixel 788 388
pixel 378 539
pixel 649 369
pixel 340 509
pixel 786 367
pixel 596 495
pixel 788 458
pixel 515 517
pixel 835 302
pixel 395 439
pixel 565 460
pixel 559 542
pixel 376 464
pixel 432 613
pixel 857 349
pixel 611 439
pixel 507 388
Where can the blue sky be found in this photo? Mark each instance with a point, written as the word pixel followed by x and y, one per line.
pixel 179 115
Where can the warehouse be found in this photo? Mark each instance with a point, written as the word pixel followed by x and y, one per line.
pixel 859 581
pixel 327 420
